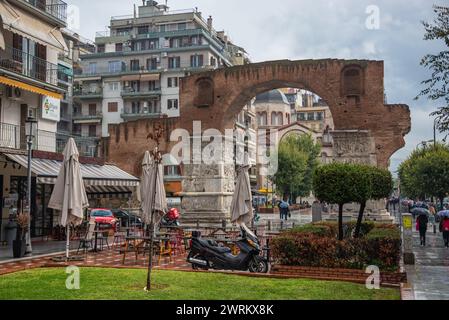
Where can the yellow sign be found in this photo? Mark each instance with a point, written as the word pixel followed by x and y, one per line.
pixel 407 222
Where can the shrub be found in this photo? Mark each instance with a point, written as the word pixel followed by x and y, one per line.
pixel 315 245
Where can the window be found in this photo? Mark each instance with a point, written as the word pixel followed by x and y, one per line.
pixel 172 103
pixel 302 116
pixel 172 171
pixel 135 107
pixel 92 109
pixel 112 107
pixel 319 116
pixel 162 28
pixel 310 116
pixel 123 31
pixel 174 62
pixel 153 44
pixel 152 64
pixel 143 29
pixel 182 26
pixel 115 66
pixel 101 48
pixel 93 130
pixel 262 119
pixel 92 69
pixel 134 86
pixel 135 65
pixel 113 86
pixel 172 82
pixel 153 85
pixel 175 43
pixel 154 107
pixel 195 40
pixel 196 61
pixel 213 61
pixel 76 129
pixel 118 47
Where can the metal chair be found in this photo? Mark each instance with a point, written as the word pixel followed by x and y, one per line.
pixel 87 242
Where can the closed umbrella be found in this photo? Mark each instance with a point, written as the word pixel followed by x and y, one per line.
pixel 154 201
pixel 241 205
pixel 69 195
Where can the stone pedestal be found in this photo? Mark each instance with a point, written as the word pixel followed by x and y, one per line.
pixel 208 187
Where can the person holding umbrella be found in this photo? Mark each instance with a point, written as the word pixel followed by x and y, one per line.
pixel 444 226
pixel 421 223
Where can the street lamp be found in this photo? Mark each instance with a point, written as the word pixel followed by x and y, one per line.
pixel 30 128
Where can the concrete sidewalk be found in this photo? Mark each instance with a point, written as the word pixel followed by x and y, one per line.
pixel 429 277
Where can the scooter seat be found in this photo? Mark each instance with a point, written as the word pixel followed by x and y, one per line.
pixel 214 246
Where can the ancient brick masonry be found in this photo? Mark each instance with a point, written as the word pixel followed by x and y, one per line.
pixel 353 89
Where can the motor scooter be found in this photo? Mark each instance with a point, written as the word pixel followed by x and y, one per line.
pixel 207 254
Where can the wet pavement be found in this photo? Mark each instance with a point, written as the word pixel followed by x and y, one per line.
pixel 430 275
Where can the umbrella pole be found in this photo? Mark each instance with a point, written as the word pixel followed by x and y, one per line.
pixel 67 245
pixel 150 261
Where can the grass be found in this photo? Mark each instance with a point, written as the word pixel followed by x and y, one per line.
pixel 127 284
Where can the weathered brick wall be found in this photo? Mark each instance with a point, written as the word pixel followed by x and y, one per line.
pixel 233 87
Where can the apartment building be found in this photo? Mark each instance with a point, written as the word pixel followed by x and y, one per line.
pixel 136 68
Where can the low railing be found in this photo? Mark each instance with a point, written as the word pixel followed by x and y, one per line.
pixel 55 8
pixel 80 116
pixel 141 92
pixel 25 64
pixel 80 92
pixel 13 137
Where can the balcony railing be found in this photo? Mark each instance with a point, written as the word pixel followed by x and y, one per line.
pixel 13 137
pixel 88 93
pixel 55 8
pixel 94 116
pixel 129 114
pixel 130 92
pixel 25 64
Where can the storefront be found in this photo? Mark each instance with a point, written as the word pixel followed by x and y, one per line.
pixel 106 185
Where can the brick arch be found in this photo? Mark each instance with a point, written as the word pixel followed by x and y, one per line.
pixel 234 87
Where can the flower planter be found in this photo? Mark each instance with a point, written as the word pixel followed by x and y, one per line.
pixel 18 248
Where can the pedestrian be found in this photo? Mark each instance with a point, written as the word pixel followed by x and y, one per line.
pixel 445 230
pixel 422 222
pixel 284 210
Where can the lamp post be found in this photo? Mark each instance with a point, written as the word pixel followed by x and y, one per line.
pixel 30 127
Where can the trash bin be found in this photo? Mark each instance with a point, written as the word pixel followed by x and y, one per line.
pixel 10 232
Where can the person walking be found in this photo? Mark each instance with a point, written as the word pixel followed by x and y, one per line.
pixel 445 230
pixel 422 222
pixel 284 210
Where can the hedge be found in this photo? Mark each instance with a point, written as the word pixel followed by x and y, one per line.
pixel 316 245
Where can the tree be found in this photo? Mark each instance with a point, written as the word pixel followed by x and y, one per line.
pixel 373 184
pixel 336 183
pixel 297 160
pixel 426 173
pixel 437 87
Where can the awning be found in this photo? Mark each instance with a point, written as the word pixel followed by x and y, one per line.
pixel 150 77
pixel 134 77
pixel 93 175
pixel 97 192
pixel 28 87
pixel 18 21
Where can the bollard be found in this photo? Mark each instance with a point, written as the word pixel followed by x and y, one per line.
pixel 407 239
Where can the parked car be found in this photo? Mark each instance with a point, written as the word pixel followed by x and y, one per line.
pixel 105 218
pixel 127 218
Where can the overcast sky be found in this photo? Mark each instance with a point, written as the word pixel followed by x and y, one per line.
pixel 300 29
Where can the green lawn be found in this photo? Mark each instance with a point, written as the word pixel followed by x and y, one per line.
pixel 112 284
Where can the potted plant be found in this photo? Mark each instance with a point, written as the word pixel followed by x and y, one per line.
pixel 19 245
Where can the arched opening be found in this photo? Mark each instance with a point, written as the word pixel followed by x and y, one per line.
pixel 273 115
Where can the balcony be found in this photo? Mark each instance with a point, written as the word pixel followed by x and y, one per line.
pixel 130 93
pixel 28 66
pixel 54 10
pixel 80 118
pixel 13 137
pixel 88 93
pixel 129 115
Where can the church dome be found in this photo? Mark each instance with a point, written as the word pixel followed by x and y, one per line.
pixel 273 96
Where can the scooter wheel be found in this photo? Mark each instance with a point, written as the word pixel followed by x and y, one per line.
pixel 258 265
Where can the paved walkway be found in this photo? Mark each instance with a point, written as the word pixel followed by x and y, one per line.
pixel 39 248
pixel 430 275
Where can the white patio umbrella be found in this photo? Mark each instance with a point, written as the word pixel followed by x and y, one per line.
pixel 154 201
pixel 69 195
pixel 241 205
pixel 152 189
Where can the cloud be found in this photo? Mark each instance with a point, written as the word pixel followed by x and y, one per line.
pixel 300 29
